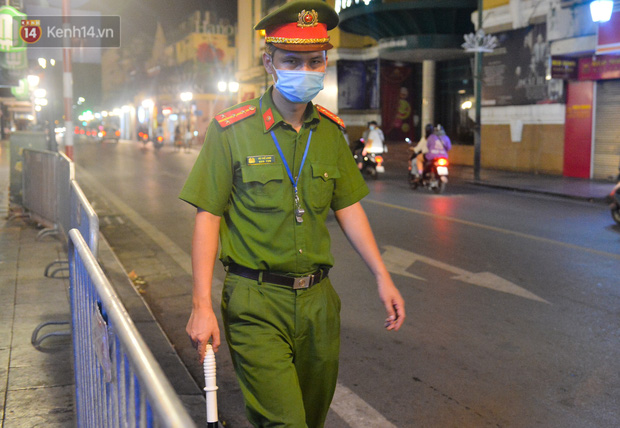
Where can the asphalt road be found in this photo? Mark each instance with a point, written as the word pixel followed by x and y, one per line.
pixel 512 299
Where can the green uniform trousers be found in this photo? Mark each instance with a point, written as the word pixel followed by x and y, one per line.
pixel 285 346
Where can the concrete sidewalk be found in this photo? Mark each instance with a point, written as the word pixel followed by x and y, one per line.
pixel 567 187
pixel 552 185
pixel 36 385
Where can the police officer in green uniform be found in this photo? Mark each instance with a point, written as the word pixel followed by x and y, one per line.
pixel 268 174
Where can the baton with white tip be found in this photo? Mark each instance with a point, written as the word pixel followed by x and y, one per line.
pixel 210 388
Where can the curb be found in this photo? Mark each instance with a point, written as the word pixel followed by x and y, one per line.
pixel 591 199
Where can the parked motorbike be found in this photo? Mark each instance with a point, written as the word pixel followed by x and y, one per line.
pixel 434 176
pixel 372 163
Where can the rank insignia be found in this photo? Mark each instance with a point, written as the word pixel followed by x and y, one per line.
pixel 307 19
pixel 233 116
pixel 268 118
pixel 331 116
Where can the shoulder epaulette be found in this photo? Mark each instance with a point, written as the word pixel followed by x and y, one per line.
pixel 229 117
pixel 331 116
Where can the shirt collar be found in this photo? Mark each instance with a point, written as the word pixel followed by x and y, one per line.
pixel 271 116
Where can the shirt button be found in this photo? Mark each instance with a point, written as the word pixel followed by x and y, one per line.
pixel 301 251
pixel 326 175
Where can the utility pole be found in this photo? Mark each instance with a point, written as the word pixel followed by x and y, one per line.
pixel 67 79
pixel 478 91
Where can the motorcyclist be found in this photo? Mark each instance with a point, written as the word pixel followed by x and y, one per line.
pixel 439 146
pixel 373 141
pixel 420 150
pixel 434 144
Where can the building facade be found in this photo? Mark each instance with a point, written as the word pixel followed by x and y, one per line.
pixel 549 90
pixel 175 83
pixel 391 62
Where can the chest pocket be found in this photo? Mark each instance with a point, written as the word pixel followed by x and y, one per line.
pixel 262 187
pixel 323 182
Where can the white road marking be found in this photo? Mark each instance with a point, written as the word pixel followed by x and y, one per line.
pixel 493 228
pixel 355 411
pixel 398 260
pixel 349 407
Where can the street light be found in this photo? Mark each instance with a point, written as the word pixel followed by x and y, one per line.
pixel 601 10
pixel 186 96
pixel 33 80
pixel 233 86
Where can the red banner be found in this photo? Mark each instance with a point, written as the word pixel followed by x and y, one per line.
pixel 599 67
pixel 396 100
pixel 578 129
pixel 609 35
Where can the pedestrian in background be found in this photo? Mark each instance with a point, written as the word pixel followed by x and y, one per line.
pixel 268 174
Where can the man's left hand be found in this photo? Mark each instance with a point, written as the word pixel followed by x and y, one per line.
pixel 394 304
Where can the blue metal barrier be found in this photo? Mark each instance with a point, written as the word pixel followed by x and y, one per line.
pixel 83 217
pixel 118 382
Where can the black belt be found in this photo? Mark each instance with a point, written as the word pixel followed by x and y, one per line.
pixel 274 278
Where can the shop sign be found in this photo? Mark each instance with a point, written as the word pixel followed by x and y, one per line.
pixel 9 30
pixel 21 92
pixel 599 67
pixel 564 67
pixel 609 36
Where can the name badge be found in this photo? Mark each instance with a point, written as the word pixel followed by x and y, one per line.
pixel 261 160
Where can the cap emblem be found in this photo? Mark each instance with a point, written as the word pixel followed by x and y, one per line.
pixel 307 19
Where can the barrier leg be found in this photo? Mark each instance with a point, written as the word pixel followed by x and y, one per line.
pixel 57 266
pixel 36 341
pixel 53 231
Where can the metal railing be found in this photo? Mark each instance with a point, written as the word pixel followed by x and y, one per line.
pixel 39 187
pixel 118 382
pixel 84 218
pixel 46 191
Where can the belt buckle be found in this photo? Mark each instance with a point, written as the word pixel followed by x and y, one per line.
pixel 303 282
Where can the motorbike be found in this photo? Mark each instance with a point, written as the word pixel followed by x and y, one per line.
pixel 143 137
pixel 159 142
pixel 434 176
pixel 372 163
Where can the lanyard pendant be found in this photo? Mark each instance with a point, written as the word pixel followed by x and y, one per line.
pixel 299 211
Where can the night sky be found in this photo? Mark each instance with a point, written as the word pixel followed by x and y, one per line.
pixel 143 15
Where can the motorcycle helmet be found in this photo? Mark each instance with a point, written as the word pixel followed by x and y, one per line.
pixel 428 130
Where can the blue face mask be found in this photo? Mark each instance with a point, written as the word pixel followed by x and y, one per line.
pixel 299 86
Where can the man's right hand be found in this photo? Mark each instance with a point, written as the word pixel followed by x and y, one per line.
pixel 202 327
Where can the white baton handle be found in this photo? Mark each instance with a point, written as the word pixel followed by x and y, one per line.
pixel 210 387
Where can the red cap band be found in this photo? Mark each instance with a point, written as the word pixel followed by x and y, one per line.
pixel 292 33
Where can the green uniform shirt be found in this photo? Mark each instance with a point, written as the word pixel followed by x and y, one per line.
pixel 239 176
